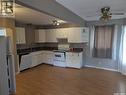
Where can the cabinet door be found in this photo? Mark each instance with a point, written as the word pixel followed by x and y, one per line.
pixel 51 35
pixel 47 58
pixel 78 35
pixel 74 60
pixel 40 36
pixel 35 60
pixel 20 35
pixel 74 35
pixel 62 33
pixel 40 57
pixel 85 35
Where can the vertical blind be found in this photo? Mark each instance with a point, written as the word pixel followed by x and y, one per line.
pixel 103 41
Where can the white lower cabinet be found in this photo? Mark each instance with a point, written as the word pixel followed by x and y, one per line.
pixel 74 59
pixel 36 58
pixel 26 62
pixel 42 57
pixel 47 57
pixel 33 59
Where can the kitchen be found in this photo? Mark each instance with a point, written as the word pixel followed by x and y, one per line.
pixel 50 43
pixel 58 49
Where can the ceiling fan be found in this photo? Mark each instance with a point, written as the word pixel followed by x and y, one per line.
pixel 106 14
pixel 57 22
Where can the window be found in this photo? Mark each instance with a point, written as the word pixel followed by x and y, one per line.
pixel 103 41
pixel 2 32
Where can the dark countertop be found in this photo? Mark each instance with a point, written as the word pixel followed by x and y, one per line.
pixel 30 50
pixel 75 51
pixel 24 53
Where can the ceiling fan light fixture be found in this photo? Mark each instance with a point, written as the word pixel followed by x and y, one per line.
pixel 106 15
pixel 105 18
pixel 56 23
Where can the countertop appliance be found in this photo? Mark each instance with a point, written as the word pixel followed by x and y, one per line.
pixel 60 55
pixel 7 70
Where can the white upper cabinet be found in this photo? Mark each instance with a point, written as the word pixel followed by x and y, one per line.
pixel 51 35
pixel 62 33
pixel 74 34
pixel 78 35
pixel 40 36
pixel 85 35
pixel 20 32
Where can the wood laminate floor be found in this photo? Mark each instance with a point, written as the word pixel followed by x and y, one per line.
pixel 50 80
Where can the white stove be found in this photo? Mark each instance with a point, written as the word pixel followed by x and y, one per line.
pixel 60 55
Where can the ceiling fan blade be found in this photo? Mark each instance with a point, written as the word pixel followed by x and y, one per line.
pixel 93 15
pixel 118 13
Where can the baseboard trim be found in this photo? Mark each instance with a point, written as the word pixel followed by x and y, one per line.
pixel 102 68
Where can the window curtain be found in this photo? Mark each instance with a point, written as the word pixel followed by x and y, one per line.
pixel 122 52
pixel 92 30
pixel 115 43
pixel 103 41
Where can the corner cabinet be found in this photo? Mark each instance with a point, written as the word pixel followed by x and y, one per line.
pixel 20 35
pixel 78 35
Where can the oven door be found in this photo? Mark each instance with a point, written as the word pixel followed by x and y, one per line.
pixel 59 56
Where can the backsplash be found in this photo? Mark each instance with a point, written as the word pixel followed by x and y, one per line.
pixel 47 46
pixel 77 45
pixel 25 46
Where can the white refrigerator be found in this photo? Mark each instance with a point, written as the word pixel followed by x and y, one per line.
pixel 7 70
